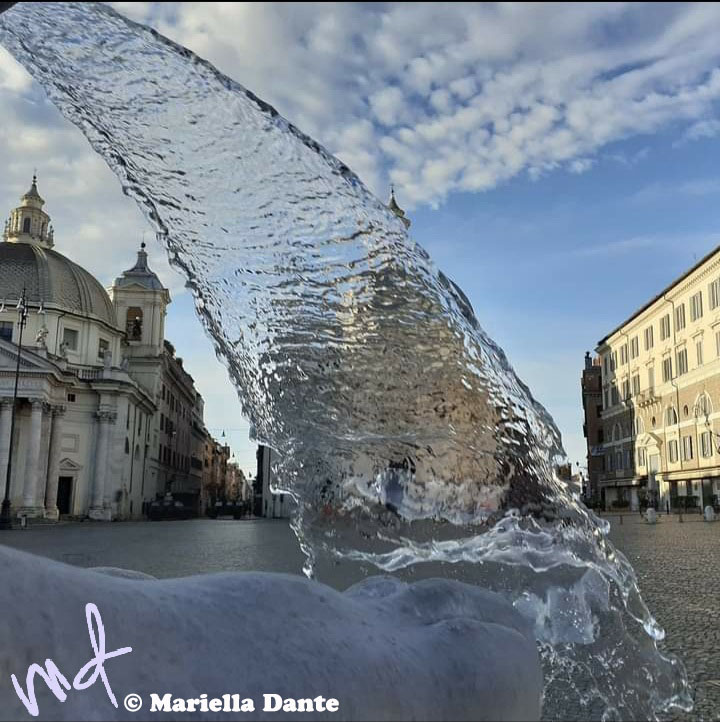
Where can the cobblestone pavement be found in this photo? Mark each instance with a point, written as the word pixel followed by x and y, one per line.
pixel 167 548
pixel 678 570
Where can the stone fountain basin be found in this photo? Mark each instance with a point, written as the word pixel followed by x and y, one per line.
pixel 386 650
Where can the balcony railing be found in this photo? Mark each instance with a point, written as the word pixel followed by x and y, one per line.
pixel 90 374
pixel 647 397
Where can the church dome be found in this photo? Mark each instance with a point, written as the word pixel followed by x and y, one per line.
pixel 53 280
pixel 28 261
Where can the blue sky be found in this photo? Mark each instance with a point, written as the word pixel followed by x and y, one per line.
pixel 558 161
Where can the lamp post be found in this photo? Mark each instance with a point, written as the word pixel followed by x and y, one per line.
pixel 5 517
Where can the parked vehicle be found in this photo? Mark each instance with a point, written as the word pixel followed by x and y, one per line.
pixel 169 508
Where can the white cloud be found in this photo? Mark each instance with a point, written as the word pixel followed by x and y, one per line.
pixel 387 105
pixel 485 85
pixel 708 128
pixel 13 76
pixel 581 165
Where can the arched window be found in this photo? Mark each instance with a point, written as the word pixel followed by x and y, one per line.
pixel 686 411
pixel 26 225
pixel 134 322
pixel 672 417
pixel 653 423
pixel 616 432
pixel 703 407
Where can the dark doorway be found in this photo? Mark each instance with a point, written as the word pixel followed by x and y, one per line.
pixel 707 493
pixel 64 494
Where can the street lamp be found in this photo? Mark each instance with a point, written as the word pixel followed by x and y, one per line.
pixel 5 517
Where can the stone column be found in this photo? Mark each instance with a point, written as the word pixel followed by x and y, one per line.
pixel 51 487
pixel 6 406
pixel 44 456
pixel 110 468
pixel 29 507
pixel 96 511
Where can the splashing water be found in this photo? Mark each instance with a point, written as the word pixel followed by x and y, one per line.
pixel 406 437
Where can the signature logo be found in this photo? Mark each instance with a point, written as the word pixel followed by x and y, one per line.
pixel 86 677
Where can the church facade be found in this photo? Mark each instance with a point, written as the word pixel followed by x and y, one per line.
pixel 107 418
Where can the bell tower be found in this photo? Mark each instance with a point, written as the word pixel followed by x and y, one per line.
pixel 28 223
pixel 140 302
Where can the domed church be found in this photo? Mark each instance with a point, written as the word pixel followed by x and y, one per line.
pixel 107 419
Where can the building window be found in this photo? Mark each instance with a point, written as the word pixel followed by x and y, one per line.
pixel 673 451
pixel 6 330
pixel 679 317
pixel 103 346
pixel 614 395
pixel 613 360
pixel 696 306
pixel 623 354
pixel 703 407
pixel 606 364
pixel 71 398
pixel 133 323
pixel 634 347
pixel 714 293
pixel 699 352
pixel 618 460
pixel 648 338
pixel 127 446
pixel 636 384
pixel 667 369
pixel 651 379
pixel 625 390
pixel 682 362
pixel 687 448
pixel 672 417
pixel 641 457
pixel 70 338
pixel 26 225
pixel 665 327
pixel 606 398
pixel 705 444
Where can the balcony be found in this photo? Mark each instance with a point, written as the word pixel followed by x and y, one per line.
pixel 646 398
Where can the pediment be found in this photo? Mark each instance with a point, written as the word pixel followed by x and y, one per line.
pixel 69 465
pixel 134 286
pixel 29 361
pixel 647 438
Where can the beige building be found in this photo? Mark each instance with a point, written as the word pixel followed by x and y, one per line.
pixel 661 397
